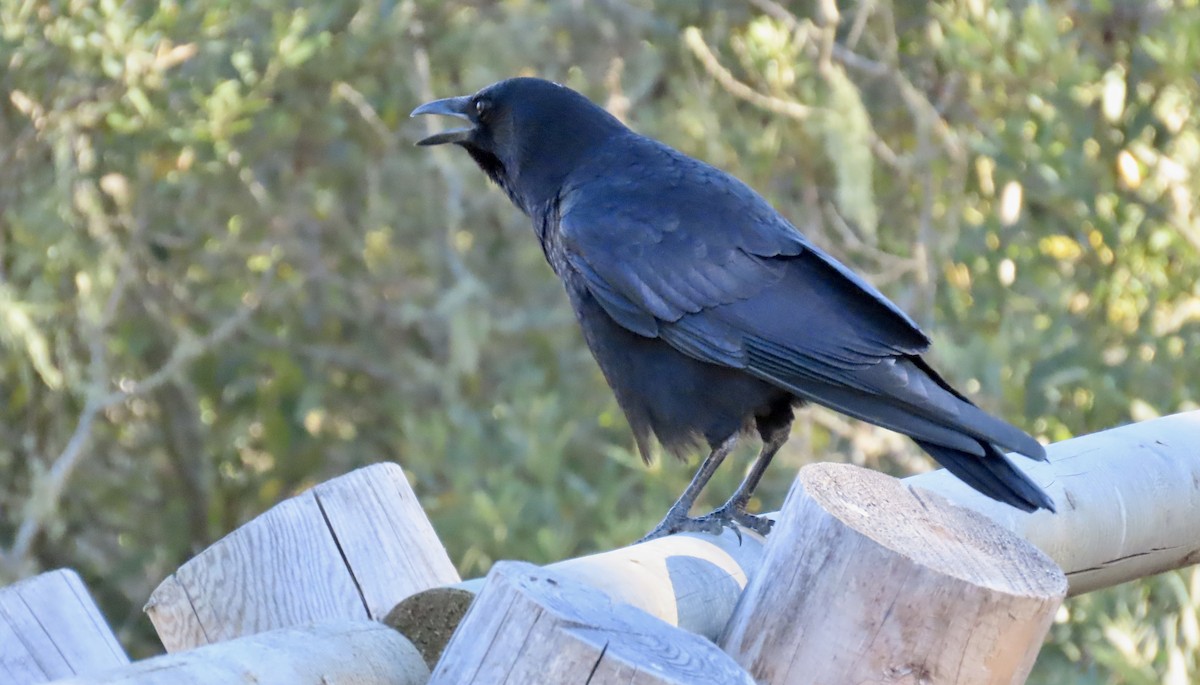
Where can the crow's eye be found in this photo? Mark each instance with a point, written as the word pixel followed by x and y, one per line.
pixel 482 107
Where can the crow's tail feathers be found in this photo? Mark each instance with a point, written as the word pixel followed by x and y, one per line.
pixel 993 475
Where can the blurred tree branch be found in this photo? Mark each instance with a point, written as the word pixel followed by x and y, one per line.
pixel 695 42
pixel 50 487
pixel 920 167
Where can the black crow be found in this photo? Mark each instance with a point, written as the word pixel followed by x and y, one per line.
pixel 708 312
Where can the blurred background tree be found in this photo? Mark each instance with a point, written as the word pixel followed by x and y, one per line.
pixel 226 275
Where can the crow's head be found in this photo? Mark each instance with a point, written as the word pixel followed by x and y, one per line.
pixel 525 133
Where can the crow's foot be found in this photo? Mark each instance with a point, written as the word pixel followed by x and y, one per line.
pixel 681 523
pixel 725 516
pixel 728 514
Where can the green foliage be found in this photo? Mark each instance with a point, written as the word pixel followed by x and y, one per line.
pixel 846 133
pixel 226 275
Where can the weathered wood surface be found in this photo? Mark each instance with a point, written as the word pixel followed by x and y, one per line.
pixel 350 548
pixel 867 580
pixel 341 652
pixel 532 625
pixel 50 628
pixel 1128 508
pixel 1128 501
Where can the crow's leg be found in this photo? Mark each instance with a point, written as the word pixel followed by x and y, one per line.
pixel 734 510
pixel 677 519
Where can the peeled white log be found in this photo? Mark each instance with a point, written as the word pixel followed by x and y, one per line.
pixel 1128 501
pixel 867 580
pixel 688 580
pixel 342 652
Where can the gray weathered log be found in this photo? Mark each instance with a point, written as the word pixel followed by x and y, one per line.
pixel 350 548
pixel 50 628
pixel 532 625
pixel 867 580
pixel 341 652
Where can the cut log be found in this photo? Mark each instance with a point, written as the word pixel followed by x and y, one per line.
pixel 532 625
pixel 867 580
pixel 342 652
pixel 350 548
pixel 50 628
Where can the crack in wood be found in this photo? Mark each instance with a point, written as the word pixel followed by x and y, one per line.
pixel 1127 557
pixel 596 666
pixel 362 597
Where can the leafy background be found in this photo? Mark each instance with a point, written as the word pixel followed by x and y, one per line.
pixel 226 274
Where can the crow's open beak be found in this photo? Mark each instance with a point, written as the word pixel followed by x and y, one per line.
pixel 451 107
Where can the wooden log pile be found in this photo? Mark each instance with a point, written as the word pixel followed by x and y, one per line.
pixel 864 579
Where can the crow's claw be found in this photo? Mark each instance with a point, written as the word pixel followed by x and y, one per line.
pixel 673 523
pixel 725 516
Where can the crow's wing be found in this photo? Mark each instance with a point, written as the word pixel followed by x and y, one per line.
pixel 662 252
pixel 718 274
pixel 709 259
